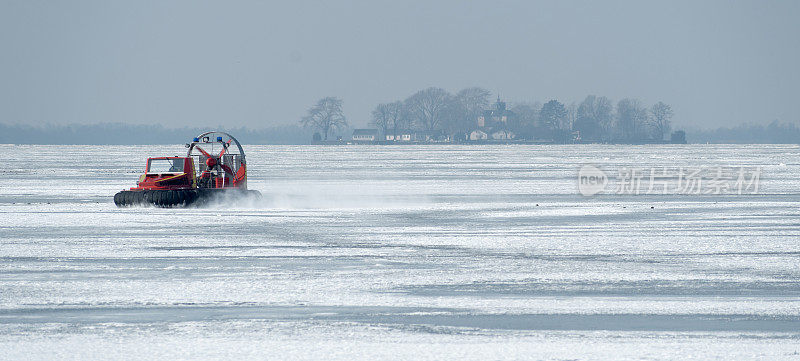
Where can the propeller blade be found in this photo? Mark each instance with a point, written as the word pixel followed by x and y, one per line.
pixel 204 152
pixel 227 169
pixel 225 148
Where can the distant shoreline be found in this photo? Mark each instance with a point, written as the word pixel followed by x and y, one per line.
pixel 491 142
pixel 130 134
pixel 344 144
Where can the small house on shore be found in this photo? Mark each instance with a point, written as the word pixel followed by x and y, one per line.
pixel 365 135
pixel 402 135
pixel 478 134
pixel 502 134
pixel 418 136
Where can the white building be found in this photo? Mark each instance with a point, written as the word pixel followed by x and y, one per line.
pixel 402 136
pixel 503 134
pixel 478 134
pixel 365 135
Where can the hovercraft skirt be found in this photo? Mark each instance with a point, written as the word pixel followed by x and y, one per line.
pixel 177 198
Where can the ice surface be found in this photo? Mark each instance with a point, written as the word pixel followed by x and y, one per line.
pixel 365 252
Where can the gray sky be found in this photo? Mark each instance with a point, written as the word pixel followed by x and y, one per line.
pixel 243 63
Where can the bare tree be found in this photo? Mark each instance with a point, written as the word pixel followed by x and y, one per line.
pixel 474 100
pixel 604 114
pixel 382 118
pixel 586 122
pixel 325 116
pixel 569 120
pixel 428 107
pixel 661 119
pixel 390 117
pixel 465 108
pixel 594 117
pixel 553 114
pixel 526 119
pixel 632 119
pixel 398 116
pixel 527 114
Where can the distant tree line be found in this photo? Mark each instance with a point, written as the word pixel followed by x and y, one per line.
pixel 119 133
pixel 593 119
pixel 773 133
pixel 596 118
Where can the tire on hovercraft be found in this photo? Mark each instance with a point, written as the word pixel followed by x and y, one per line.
pixel 158 198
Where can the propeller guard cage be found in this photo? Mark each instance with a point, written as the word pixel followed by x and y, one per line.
pixel 222 165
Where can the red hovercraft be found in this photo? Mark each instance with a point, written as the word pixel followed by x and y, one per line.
pixel 220 173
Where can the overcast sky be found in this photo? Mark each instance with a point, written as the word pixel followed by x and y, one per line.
pixel 243 63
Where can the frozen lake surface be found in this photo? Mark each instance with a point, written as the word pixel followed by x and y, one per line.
pixel 417 252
